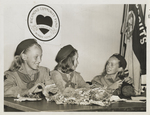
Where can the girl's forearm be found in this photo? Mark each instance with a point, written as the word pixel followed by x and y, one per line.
pixel 14 91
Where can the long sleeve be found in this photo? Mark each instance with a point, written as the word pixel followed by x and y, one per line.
pixel 80 81
pixel 97 81
pixel 57 78
pixel 10 87
pixel 47 76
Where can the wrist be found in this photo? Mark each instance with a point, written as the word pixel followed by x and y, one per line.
pixel 111 87
pixel 24 92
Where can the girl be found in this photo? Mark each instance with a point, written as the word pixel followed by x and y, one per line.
pixel 110 77
pixel 25 75
pixel 64 74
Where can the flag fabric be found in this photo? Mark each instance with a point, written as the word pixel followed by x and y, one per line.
pixel 133 43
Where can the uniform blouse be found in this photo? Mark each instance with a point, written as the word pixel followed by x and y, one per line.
pixel 63 80
pixel 103 81
pixel 14 84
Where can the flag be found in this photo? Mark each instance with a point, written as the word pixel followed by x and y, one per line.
pixel 133 43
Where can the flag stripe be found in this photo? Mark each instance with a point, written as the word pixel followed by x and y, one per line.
pixel 133 43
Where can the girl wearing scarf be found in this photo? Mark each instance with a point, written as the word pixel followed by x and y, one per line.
pixel 25 75
pixel 115 77
pixel 64 74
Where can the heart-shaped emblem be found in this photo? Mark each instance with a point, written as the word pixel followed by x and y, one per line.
pixel 47 20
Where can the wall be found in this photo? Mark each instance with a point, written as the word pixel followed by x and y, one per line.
pixel 94 30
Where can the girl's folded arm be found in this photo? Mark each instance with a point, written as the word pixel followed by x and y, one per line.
pixel 11 89
pixel 57 78
pixel 82 83
pixel 48 80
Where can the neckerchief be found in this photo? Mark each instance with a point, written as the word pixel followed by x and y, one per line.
pixel 68 82
pixel 27 79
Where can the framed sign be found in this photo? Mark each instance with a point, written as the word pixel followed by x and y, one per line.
pixel 43 22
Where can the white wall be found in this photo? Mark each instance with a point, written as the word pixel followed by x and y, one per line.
pixel 94 30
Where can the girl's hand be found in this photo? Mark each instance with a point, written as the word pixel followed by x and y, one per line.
pixel 68 92
pixel 24 92
pixel 36 88
pixel 128 80
pixel 50 88
pixel 116 85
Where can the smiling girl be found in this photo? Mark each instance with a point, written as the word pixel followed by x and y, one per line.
pixel 110 77
pixel 25 75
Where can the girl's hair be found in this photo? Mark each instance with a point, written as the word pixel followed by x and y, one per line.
pixel 104 70
pixel 17 62
pixel 66 64
pixel 122 62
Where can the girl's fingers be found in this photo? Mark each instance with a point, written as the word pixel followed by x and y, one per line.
pixel 37 90
pixel 119 81
pixel 119 85
pixel 40 85
pixel 126 71
pixel 128 80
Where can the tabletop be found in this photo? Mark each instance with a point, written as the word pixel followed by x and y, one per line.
pixel 43 105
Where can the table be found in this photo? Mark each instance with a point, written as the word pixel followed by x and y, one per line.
pixel 43 105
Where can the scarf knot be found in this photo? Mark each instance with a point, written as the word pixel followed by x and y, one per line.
pixel 27 79
pixel 69 83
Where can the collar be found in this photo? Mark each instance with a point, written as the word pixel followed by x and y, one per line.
pixel 71 73
pixel 23 70
pixel 114 78
pixel 64 75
